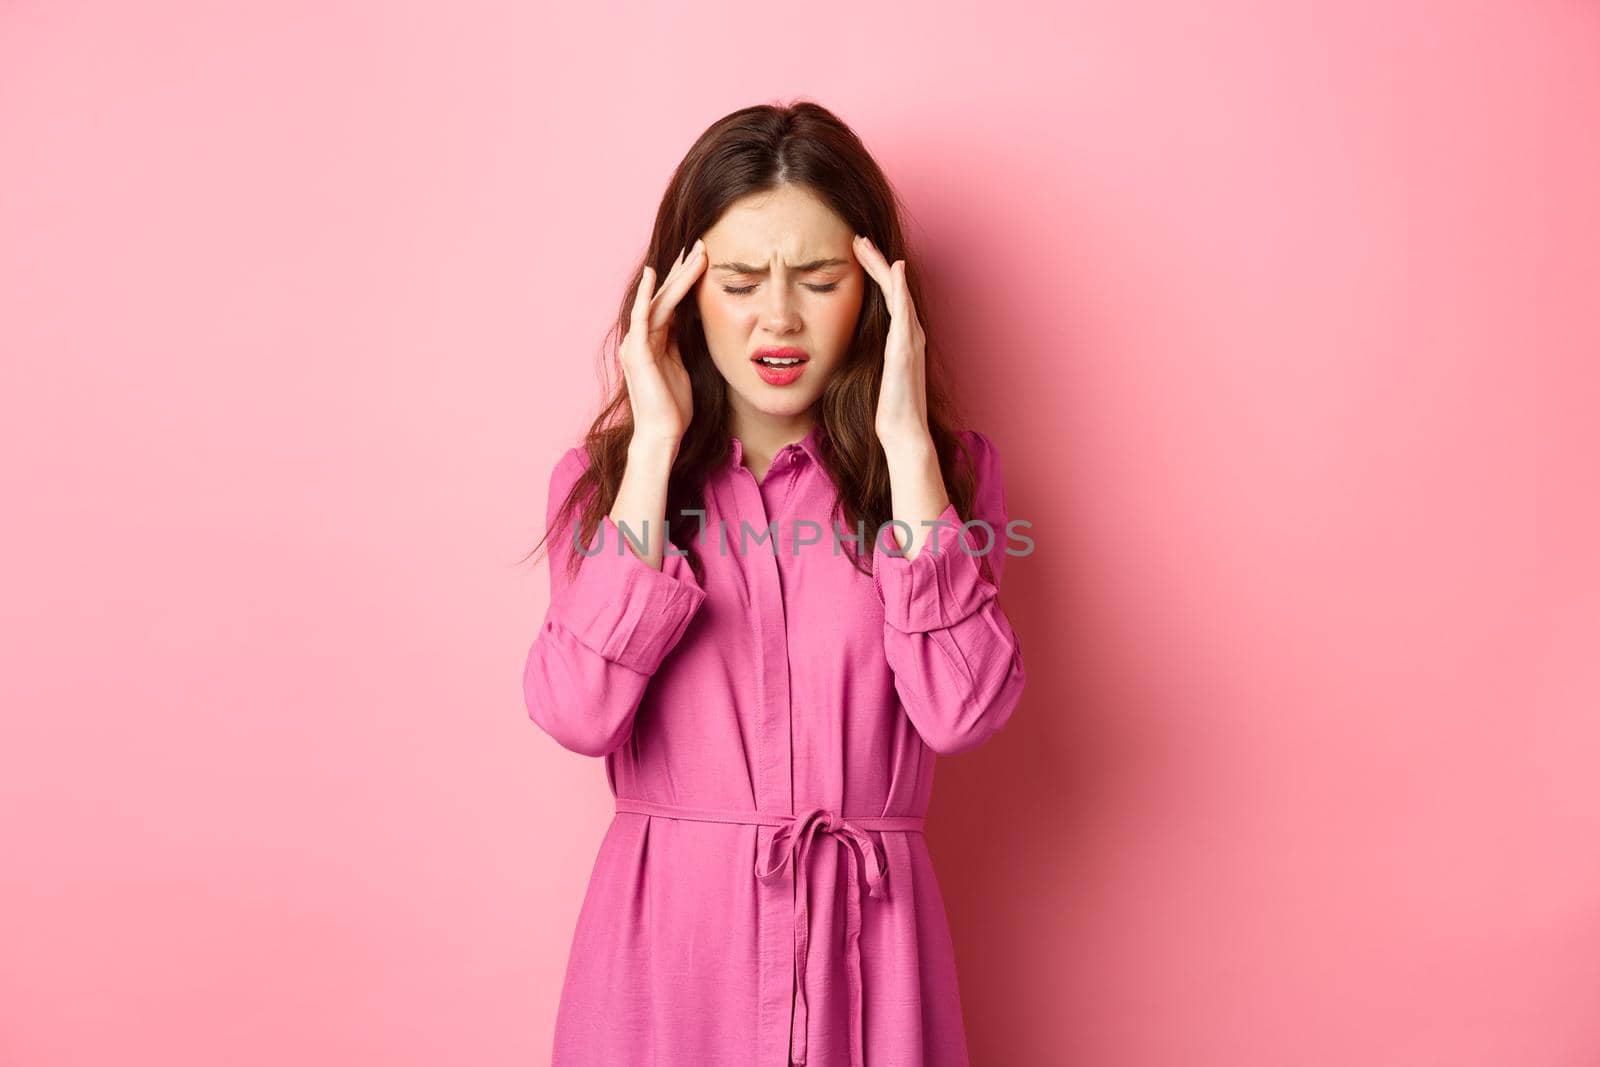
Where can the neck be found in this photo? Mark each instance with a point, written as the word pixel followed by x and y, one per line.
pixel 762 436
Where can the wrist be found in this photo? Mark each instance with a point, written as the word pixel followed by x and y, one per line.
pixel 909 452
pixel 653 448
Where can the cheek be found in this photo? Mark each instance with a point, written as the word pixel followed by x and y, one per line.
pixel 718 313
pixel 840 314
pixel 725 331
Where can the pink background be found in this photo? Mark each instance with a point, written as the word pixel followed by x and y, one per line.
pixel 1283 316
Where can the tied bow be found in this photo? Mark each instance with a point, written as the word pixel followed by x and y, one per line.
pixel 791 844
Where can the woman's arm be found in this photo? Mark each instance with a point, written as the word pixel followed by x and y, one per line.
pixel 957 663
pixel 609 627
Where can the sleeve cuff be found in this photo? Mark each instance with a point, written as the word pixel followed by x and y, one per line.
pixel 623 608
pixel 939 586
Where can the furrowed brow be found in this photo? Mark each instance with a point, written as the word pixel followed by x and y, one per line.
pixel 745 268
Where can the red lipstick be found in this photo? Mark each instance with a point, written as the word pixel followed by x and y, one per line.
pixel 780 366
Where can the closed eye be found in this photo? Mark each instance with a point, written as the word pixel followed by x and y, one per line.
pixel 742 290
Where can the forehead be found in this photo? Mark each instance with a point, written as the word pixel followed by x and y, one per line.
pixel 789 222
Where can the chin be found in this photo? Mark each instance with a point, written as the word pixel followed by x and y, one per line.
pixel 785 406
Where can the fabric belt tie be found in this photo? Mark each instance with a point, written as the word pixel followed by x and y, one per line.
pixel 789 846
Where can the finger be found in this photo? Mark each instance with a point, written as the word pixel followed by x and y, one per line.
pixel 641 297
pixel 872 257
pixel 903 289
pixel 891 279
pixel 913 320
pixel 676 286
pixel 673 289
pixel 874 263
pixel 672 269
pixel 898 294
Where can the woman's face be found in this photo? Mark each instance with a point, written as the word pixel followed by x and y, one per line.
pixel 780 273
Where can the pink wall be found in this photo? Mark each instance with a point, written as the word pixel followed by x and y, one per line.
pixel 1287 318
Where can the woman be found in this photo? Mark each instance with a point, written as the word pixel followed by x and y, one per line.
pixel 769 695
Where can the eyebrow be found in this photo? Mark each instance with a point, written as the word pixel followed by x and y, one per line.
pixel 745 268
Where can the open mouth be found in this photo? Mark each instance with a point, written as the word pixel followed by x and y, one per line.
pixel 779 357
pixel 780 366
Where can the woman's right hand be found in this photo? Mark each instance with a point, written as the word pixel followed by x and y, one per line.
pixel 652 366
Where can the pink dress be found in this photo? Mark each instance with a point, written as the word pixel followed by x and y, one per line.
pixel 764 894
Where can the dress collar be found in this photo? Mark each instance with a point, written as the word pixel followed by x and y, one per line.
pixel 810 444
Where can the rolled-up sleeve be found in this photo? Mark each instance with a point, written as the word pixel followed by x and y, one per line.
pixel 957 662
pixel 607 630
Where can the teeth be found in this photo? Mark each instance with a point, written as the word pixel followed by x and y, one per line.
pixel 773 361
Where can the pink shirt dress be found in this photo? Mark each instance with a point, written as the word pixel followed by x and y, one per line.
pixel 764 894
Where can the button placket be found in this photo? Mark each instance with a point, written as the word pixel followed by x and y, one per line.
pixel 774 767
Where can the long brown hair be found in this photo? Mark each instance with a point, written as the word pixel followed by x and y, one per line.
pixel 755 150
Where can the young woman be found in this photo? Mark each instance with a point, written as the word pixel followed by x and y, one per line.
pixel 768 678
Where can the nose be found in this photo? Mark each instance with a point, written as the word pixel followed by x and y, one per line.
pixel 779 314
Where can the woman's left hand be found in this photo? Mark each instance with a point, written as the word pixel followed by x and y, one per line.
pixel 902 417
